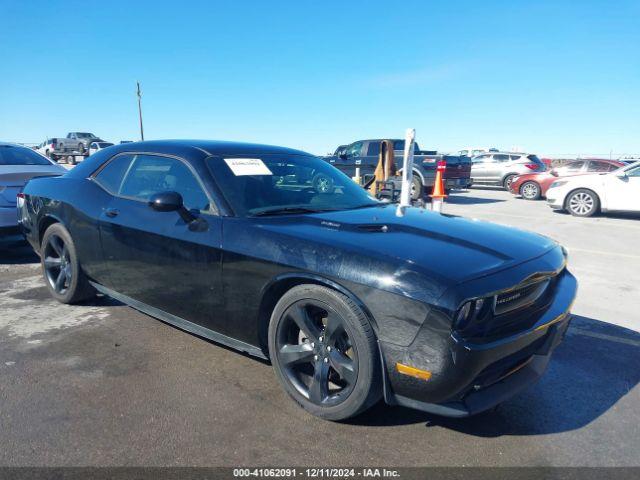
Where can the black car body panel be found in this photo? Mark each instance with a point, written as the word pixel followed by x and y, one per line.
pixel 221 278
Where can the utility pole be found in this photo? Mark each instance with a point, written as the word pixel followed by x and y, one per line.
pixel 140 111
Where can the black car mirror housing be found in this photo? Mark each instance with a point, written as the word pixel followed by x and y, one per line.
pixel 171 202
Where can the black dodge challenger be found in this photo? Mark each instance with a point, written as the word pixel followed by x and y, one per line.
pixel 236 243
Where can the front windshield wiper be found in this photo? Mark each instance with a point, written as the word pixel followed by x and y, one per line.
pixel 287 211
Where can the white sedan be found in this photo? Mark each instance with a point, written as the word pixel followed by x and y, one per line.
pixel 97 146
pixel 585 195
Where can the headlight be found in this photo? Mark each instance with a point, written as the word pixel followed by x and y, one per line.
pixel 468 312
pixel 463 317
pixel 559 183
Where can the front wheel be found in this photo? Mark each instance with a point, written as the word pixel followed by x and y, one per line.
pixel 583 203
pixel 530 191
pixel 60 266
pixel 324 352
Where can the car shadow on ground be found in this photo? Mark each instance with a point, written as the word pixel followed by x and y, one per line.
pixel 630 216
pixel 595 366
pixel 16 251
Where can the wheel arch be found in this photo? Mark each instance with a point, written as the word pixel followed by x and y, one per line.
pixel 45 222
pixel 416 171
pixel 281 284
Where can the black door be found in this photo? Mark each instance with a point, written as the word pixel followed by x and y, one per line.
pixel 155 257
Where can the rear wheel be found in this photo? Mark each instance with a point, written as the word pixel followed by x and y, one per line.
pixel 324 352
pixel 60 266
pixel 417 189
pixel 530 191
pixel 323 183
pixel 583 203
pixel 506 183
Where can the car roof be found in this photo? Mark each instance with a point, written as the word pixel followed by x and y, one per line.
pixel 209 147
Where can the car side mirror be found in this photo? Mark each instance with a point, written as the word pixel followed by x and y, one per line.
pixel 170 202
pixel 553 172
pixel 621 174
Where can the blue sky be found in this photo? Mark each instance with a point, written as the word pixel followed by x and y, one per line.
pixel 549 76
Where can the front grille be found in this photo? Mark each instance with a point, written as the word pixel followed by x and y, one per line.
pixel 519 297
pixel 512 311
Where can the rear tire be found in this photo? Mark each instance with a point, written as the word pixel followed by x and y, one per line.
pixel 530 191
pixel 582 203
pixel 323 183
pixel 417 189
pixel 330 366
pixel 61 269
pixel 506 183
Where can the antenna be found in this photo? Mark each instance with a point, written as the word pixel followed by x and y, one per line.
pixel 140 111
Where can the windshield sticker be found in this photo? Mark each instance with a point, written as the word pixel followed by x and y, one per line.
pixel 247 166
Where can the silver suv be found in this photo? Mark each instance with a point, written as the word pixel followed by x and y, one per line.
pixel 500 168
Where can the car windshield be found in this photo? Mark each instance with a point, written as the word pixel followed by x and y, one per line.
pixel 10 155
pixel 285 184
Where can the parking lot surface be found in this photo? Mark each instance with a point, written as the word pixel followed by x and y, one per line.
pixel 101 384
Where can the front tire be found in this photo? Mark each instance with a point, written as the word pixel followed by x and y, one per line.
pixel 62 272
pixel 583 203
pixel 530 191
pixel 324 352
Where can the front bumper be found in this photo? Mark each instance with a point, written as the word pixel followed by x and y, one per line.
pixel 557 203
pixel 470 378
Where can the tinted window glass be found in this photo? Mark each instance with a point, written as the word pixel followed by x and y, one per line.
pixel 289 182
pixel 634 172
pixel 501 158
pixel 514 157
pixel 374 149
pixel 354 149
pixel 10 155
pixel 151 174
pixel 595 166
pixel 110 177
pixel 574 166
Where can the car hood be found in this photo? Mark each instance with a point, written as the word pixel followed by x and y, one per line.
pixel 14 177
pixel 442 246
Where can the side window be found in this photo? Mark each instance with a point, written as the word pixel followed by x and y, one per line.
pixel 514 157
pixel 595 166
pixel 111 176
pixel 481 159
pixel 635 172
pixel 354 149
pixel 152 174
pixel 574 166
pixel 373 149
pixel 500 158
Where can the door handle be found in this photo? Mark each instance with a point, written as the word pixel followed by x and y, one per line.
pixel 111 212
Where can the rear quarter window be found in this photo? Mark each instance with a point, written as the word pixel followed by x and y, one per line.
pixel 111 176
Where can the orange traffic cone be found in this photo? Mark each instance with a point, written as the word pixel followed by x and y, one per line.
pixel 438 194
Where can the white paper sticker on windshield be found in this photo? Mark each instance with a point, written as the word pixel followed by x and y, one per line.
pixel 247 166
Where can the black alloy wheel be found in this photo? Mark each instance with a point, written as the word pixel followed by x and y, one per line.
pixel 316 353
pixel 58 269
pixel 61 269
pixel 324 352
